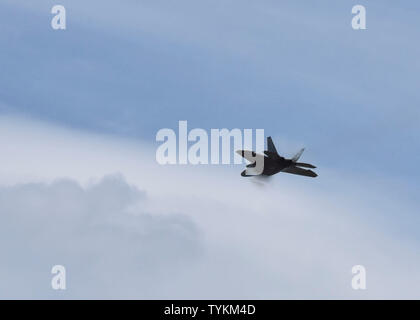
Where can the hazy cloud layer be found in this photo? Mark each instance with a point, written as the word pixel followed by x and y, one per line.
pixel 195 231
pixel 109 244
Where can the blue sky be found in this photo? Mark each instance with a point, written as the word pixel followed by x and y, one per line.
pixel 298 70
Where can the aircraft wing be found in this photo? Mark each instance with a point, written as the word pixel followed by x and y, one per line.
pixel 251 156
pixel 300 171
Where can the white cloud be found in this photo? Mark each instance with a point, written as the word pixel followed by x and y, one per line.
pixel 102 234
pixel 194 232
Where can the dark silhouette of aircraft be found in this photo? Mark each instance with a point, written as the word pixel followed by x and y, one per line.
pixel 274 163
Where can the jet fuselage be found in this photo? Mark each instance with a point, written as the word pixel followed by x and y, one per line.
pixel 274 163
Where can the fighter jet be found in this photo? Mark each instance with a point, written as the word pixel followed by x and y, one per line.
pixel 274 163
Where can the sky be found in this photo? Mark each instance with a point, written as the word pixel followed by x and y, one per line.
pixel 80 186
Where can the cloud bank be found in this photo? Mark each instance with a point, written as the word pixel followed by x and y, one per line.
pixel 102 234
pixel 150 231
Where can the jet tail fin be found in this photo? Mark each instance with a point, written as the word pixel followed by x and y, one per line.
pixel 270 145
pixel 297 155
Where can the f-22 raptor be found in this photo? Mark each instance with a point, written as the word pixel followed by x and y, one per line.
pixel 274 163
